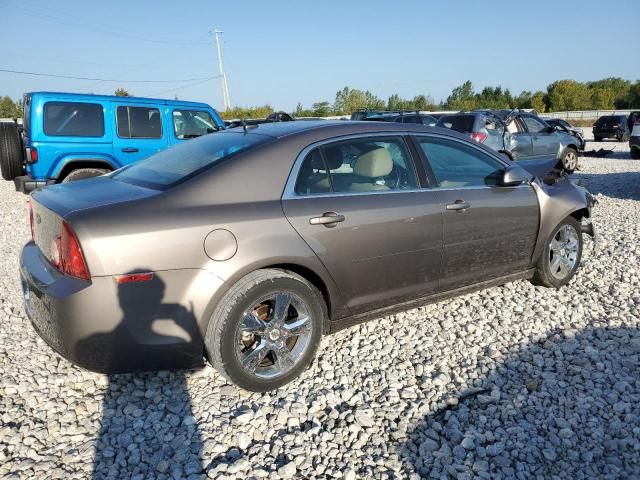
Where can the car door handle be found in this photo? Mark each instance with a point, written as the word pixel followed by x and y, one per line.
pixel 130 150
pixel 328 219
pixel 459 205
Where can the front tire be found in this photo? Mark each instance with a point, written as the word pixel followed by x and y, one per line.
pixel 561 255
pixel 266 329
pixel 569 160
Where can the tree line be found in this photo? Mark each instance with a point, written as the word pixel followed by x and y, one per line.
pixel 606 94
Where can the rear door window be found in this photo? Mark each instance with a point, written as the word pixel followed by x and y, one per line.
pixel 139 122
pixel 372 164
pixel 193 123
pixel 73 119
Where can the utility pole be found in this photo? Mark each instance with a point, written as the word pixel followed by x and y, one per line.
pixel 225 88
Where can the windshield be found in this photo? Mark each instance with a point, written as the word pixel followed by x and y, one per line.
pixel 170 167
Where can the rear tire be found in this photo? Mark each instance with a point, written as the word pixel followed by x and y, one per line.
pixel 246 335
pixel 569 159
pixel 10 151
pixel 597 139
pixel 635 153
pixel 83 173
pixel 561 255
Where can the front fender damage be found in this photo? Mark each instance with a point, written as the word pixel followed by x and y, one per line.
pixel 557 201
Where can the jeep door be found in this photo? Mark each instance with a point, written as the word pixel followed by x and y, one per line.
pixel 359 204
pixel 139 131
pixel 488 230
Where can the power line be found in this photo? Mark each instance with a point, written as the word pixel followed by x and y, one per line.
pixel 182 87
pixel 38 74
pixel 92 26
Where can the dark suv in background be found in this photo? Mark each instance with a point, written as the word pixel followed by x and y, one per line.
pixel 611 126
pixel 519 135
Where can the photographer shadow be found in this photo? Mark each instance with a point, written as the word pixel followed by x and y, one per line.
pixel 147 429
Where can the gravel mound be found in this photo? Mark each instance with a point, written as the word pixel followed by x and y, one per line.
pixel 512 382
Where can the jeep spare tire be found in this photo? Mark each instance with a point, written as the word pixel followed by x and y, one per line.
pixel 10 151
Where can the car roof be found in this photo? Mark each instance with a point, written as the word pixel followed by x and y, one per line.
pixel 115 98
pixel 335 128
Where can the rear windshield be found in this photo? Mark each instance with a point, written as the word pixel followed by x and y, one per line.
pixel 175 165
pixel 459 123
pixel 73 119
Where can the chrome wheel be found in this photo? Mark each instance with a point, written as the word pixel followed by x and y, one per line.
pixel 274 335
pixel 570 160
pixel 563 252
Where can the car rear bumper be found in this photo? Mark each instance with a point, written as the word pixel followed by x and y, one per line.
pixel 110 328
pixel 26 184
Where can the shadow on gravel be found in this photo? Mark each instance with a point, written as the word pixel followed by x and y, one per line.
pixel 566 406
pixel 624 185
pixel 147 429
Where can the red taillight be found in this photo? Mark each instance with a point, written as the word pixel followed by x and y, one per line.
pixel 32 154
pixel 479 137
pixel 32 224
pixel 66 254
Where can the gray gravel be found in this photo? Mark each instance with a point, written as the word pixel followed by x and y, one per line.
pixel 516 381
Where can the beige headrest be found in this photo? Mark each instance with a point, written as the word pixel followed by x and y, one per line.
pixel 374 164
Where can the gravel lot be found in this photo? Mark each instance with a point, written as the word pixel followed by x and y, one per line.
pixel 516 381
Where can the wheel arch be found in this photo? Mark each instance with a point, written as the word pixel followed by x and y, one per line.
pixel 76 163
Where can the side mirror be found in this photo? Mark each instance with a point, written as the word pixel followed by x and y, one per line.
pixel 514 175
pixel 550 129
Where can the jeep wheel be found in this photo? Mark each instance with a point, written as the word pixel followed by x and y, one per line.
pixel 82 173
pixel 597 139
pixel 635 153
pixel 10 151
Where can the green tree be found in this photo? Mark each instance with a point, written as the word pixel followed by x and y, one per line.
pixel 568 95
pixel 350 99
pixel 462 97
pixel 494 97
pixel 632 100
pixel 423 102
pixel 8 108
pixel 602 98
pixel 321 109
pixel 538 101
pixel 523 100
pixel 121 92
pixel 620 88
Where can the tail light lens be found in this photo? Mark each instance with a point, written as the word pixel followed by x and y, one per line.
pixel 66 254
pixel 479 137
pixel 32 154
pixel 32 223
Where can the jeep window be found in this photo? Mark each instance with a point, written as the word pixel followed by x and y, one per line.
pixel 71 119
pixel 175 165
pixel 139 122
pixel 193 123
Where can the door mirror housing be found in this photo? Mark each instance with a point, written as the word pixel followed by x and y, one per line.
pixel 514 175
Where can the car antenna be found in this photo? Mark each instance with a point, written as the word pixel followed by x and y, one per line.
pixel 244 125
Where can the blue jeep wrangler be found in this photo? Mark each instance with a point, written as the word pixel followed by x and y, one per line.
pixel 67 137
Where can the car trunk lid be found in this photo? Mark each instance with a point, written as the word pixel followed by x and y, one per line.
pixel 53 204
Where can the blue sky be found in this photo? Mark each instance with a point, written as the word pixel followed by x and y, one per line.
pixel 282 52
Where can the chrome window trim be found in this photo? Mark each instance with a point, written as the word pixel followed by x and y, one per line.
pixel 289 189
